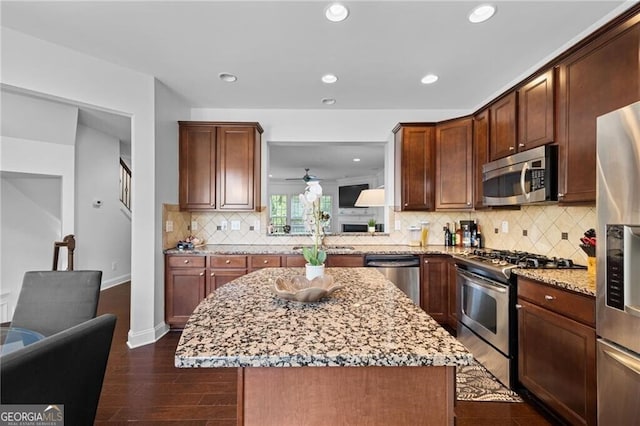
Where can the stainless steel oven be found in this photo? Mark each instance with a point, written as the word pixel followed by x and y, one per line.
pixel 484 322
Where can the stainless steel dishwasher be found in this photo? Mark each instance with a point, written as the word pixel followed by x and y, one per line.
pixel 401 269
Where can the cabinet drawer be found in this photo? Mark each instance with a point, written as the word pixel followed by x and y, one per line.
pixel 265 261
pixel 345 260
pixel 185 261
pixel 231 261
pixel 295 261
pixel 576 306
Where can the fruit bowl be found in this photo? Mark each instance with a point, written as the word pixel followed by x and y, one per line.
pixel 299 289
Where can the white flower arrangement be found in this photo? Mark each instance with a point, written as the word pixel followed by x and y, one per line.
pixel 315 221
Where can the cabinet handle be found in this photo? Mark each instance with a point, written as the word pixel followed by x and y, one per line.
pixel 512 148
pixel 426 261
pixel 468 203
pixel 227 261
pixel 521 145
pixel 186 261
pixel 406 204
pixel 518 306
pixel 202 274
pixel 213 274
pixel 547 297
pixel 560 194
pixel 265 261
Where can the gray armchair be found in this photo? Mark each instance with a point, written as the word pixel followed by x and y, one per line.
pixel 52 301
pixel 65 368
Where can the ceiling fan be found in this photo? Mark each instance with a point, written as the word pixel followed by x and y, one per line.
pixel 307 177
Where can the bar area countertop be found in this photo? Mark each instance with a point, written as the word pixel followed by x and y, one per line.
pixel 578 280
pixel 369 322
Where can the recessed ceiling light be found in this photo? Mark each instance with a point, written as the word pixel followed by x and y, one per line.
pixel 329 78
pixel 227 77
pixel 328 101
pixel 356 160
pixel 336 12
pixel 429 79
pixel 482 13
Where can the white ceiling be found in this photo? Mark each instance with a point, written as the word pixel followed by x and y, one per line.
pixel 280 49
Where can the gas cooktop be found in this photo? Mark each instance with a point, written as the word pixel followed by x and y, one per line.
pixel 499 263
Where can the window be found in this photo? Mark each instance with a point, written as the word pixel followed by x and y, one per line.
pixel 282 213
pixel 125 185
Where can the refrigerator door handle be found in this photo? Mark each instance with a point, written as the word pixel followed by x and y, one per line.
pixel 628 363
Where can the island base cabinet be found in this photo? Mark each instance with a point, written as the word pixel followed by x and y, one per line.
pixel 346 396
pixel 556 362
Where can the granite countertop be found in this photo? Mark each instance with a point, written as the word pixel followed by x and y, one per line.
pixel 578 280
pixel 331 249
pixel 369 322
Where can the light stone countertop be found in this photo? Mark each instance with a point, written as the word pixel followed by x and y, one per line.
pixel 369 322
pixel 578 280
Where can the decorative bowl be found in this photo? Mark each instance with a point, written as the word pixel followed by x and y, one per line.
pixel 299 289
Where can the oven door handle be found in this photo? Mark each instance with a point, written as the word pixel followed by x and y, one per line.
pixel 476 281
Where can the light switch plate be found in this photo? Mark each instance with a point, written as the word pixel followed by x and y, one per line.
pixel 398 225
pixel 168 226
pixel 256 225
pixel 505 227
pixel 223 225
pixel 194 225
pixel 235 225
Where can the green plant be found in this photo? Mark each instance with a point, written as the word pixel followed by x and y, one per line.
pixel 315 220
pixel 372 223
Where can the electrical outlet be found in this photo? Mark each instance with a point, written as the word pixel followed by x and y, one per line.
pixel 114 266
pixel 505 227
pixel 194 225
pixel 235 225
pixel 398 225
pixel 168 226
pixel 564 235
pixel 256 225
pixel 223 225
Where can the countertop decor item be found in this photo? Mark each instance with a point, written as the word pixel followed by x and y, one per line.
pixel 315 220
pixel 300 289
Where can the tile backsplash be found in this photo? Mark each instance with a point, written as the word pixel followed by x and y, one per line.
pixel 544 226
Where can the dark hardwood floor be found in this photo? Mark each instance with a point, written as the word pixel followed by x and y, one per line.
pixel 141 385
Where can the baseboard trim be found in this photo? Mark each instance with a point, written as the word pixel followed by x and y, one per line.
pixel 115 281
pixel 147 337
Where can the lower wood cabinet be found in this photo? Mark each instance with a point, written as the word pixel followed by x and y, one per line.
pixel 557 349
pixel 345 260
pixel 434 288
pixel 185 284
pixel 452 283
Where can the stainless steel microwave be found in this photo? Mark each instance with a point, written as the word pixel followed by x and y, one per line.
pixel 526 177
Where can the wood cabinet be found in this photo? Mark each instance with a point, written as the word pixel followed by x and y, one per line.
pixel 536 111
pixel 185 282
pixel 452 285
pixel 480 154
pixel 454 164
pixel 294 261
pixel 345 260
pixel 414 166
pixel 557 349
pixel 219 166
pixel 503 128
pixel 434 288
pixel 225 268
pixel 599 78
pixel 264 261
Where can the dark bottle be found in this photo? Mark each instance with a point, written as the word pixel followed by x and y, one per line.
pixel 447 236
pixel 474 234
pixel 479 238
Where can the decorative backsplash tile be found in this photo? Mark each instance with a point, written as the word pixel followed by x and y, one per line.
pixel 544 226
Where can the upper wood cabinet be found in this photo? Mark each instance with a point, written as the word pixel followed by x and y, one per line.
pixel 536 112
pixel 599 78
pixel 414 166
pixel 503 117
pixel 480 153
pixel 219 166
pixel 454 164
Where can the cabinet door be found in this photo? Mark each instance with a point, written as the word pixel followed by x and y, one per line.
pixel 536 112
pixel 185 288
pixel 597 79
pixel 434 288
pixel 219 277
pixel 454 167
pixel 480 154
pixel 414 168
pixel 345 260
pixel 502 138
pixel 237 177
pixel 197 173
pixel 452 279
pixel 557 362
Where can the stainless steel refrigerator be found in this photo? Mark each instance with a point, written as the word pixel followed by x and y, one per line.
pixel 618 267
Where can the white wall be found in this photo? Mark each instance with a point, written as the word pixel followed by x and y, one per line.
pixel 30 223
pixel 103 234
pixel 51 70
pixel 169 109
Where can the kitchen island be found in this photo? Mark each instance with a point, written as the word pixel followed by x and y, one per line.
pixel 365 355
